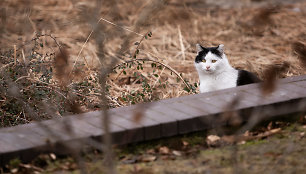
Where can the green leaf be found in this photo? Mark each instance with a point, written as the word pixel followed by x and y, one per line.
pixel 156 75
pixel 124 72
pixel 186 89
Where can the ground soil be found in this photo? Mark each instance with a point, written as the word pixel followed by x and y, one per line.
pixel 283 152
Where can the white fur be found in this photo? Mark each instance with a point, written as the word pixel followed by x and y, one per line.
pixel 220 75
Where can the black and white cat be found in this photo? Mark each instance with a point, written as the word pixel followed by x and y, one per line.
pixel 216 73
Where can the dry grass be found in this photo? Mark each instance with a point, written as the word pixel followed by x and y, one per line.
pixel 56 54
pixel 255 38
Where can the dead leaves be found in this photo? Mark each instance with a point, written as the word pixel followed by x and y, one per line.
pixel 216 141
pixel 164 150
pixel 213 140
pixel 150 155
pixel 148 158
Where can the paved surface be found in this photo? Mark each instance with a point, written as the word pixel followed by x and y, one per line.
pixel 156 120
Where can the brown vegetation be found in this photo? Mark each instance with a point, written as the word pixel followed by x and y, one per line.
pixel 60 57
pixel 255 38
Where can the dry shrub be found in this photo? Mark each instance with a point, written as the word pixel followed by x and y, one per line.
pixel 70 28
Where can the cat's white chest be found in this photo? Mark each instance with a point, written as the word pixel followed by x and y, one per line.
pixel 217 82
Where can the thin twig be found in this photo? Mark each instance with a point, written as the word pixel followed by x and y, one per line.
pixel 155 61
pixel 121 27
pixel 29 78
pixel 158 77
pixel 6 65
pixel 142 38
pixel 88 37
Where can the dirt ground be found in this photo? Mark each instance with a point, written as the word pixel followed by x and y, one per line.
pixel 281 152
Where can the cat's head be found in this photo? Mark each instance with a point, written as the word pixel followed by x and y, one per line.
pixel 210 59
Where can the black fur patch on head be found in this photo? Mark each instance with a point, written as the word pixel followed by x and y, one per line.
pixel 205 50
pixel 246 77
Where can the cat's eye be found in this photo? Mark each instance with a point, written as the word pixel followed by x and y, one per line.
pixel 204 60
pixel 213 61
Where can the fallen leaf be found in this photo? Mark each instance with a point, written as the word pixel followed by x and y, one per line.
pixel 177 153
pixel 129 160
pixel 302 134
pixel 185 143
pixel 168 157
pixel 230 139
pixel 241 142
pixel 247 133
pixel 148 158
pixel 53 156
pixel 164 150
pixel 26 166
pixel 150 151
pixel 15 170
pixel 213 140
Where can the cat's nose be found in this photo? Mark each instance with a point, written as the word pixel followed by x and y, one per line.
pixel 207 67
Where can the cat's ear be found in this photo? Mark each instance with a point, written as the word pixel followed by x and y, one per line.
pixel 199 48
pixel 220 48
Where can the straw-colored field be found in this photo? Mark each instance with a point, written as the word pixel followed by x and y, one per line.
pixel 53 53
pixel 254 33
